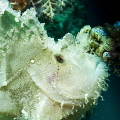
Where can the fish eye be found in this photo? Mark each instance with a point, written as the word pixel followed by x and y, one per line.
pixel 59 58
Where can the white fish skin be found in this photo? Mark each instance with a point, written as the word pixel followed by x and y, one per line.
pixel 41 79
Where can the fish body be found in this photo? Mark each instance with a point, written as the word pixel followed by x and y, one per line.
pixel 44 80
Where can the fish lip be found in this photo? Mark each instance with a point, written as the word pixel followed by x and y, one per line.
pixel 97 64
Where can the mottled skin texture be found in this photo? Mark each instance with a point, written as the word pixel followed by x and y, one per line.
pixel 44 80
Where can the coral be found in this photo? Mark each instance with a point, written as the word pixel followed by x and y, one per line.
pixel 48 7
pixel 105 42
pixel 71 19
pixel 18 4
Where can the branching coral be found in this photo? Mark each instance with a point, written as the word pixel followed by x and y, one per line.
pixel 51 6
pixel 48 7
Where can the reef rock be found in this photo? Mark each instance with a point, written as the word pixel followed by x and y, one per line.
pixel 41 79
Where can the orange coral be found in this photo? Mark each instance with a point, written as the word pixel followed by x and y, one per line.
pixel 18 4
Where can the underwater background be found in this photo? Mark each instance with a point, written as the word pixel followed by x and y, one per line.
pixel 98 13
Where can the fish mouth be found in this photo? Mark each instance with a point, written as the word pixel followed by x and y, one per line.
pixel 97 64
